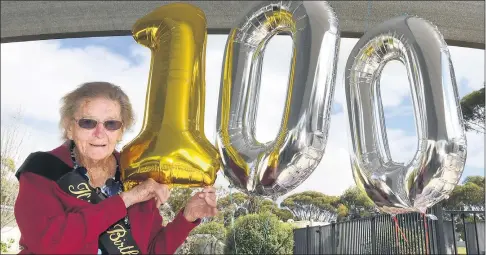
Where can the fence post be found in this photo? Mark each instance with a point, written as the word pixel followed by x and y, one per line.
pixel 441 244
pixel 333 237
pixel 319 230
pixel 307 235
pixel 373 235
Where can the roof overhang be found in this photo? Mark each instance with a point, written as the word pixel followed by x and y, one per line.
pixel 461 22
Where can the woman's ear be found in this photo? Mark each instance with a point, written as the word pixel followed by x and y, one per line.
pixel 69 129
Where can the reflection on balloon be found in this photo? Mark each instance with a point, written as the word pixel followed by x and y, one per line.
pixel 171 147
pixel 439 161
pixel 275 168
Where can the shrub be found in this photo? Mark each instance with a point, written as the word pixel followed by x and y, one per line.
pixel 213 228
pixel 260 234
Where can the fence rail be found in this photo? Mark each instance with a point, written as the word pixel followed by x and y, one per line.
pixel 406 234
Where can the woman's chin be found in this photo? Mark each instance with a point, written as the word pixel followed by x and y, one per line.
pixel 99 153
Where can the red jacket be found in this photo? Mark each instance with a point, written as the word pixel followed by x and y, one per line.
pixel 52 221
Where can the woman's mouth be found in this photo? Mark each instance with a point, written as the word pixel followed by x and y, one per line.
pixel 98 145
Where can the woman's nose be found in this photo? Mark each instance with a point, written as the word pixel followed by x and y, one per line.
pixel 99 130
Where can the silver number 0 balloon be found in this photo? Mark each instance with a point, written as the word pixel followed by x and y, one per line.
pixel 438 164
pixel 274 168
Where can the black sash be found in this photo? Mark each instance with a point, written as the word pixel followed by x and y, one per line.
pixel 117 239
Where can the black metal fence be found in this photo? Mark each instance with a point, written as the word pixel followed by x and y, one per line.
pixel 464 232
pixel 406 234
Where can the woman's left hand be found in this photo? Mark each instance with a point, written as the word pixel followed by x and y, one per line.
pixel 202 204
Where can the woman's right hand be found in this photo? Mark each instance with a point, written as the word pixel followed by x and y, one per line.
pixel 144 191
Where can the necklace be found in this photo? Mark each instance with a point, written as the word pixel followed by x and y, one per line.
pixel 113 185
pixel 104 171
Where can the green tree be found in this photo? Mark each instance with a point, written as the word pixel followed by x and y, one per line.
pixel 472 106
pixel 342 212
pixel 213 228
pixel 283 214
pixel 312 205
pixel 207 238
pixel 267 205
pixel 177 200
pixel 468 196
pixel 357 202
pixel 260 234
pixel 478 180
pixel 230 207
pixel 237 198
pixel 239 204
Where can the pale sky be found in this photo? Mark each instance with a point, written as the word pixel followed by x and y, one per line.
pixel 35 75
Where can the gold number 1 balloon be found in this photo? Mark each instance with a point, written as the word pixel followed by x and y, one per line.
pixel 171 148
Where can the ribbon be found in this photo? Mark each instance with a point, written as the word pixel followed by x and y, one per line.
pixel 117 239
pixel 398 230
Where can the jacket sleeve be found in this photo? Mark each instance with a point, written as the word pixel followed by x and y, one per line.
pixel 166 240
pixel 47 228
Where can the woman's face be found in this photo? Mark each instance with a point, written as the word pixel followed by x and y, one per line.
pixel 95 140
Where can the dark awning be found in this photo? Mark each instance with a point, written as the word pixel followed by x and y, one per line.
pixel 461 22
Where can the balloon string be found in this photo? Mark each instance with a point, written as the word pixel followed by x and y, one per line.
pixel 396 230
pixel 399 230
pixel 426 234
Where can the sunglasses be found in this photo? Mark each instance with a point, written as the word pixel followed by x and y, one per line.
pixel 111 125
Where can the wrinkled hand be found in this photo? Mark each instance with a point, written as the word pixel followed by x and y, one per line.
pixel 202 204
pixel 146 190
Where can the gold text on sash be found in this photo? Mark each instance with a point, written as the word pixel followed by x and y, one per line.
pixel 83 190
pixel 116 234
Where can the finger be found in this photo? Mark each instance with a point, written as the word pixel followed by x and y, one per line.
pixel 161 193
pixel 150 181
pixel 212 196
pixel 202 210
pixel 209 189
pixel 211 199
pixel 206 199
pixel 210 202
pixel 166 192
pixel 208 212
pixel 198 204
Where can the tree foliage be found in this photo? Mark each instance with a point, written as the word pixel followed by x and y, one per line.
pixel 12 137
pixel 472 106
pixel 5 246
pixel 357 203
pixel 468 196
pixel 260 234
pixel 236 198
pixel 478 180
pixel 235 205
pixel 312 205
pixel 342 212
pixel 207 238
pixel 178 198
pixel 213 228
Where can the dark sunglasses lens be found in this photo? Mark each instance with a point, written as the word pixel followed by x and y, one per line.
pixel 113 124
pixel 87 123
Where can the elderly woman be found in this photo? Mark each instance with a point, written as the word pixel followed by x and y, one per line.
pixel 71 199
